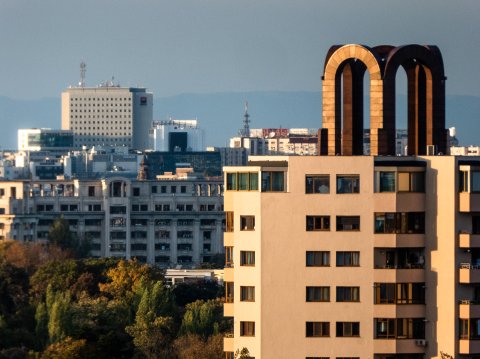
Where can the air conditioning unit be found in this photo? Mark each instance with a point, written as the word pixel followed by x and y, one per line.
pixel 421 342
pixel 432 150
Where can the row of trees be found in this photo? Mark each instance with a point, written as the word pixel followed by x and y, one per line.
pixel 53 305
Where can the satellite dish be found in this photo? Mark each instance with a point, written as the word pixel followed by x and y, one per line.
pixel 271 134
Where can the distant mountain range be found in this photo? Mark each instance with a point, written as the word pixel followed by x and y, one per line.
pixel 221 114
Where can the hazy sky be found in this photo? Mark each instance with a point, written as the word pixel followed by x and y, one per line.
pixel 201 46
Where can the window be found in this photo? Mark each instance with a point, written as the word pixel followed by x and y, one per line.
pixel 348 223
pixel 93 222
pixel 136 191
pixel 229 292
pixel 399 293
pixel 229 221
pixel 154 189
pixel 118 222
pixel 348 294
pixel 317 329
pixel 402 223
pixel 247 329
pixel 411 181
pixel 318 259
pixel 163 189
pixel 399 328
pixel 247 258
pixel 476 224
pixel 317 184
pixel 242 181
pixel 94 207
pixel 273 181
pixel 183 189
pixel 118 209
pixel 348 184
pixel 318 223
pixel 318 294
pixel 247 294
pixel 348 259
pixel 387 182
pixel 247 223
pixel 91 191
pixel 348 329
pixel 173 189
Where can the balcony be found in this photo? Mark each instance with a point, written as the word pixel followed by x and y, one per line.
pixel 469 202
pixel 469 273
pixel 228 342
pixel 399 240
pixel 228 309
pixel 399 346
pixel 468 240
pixel 391 275
pixel 469 309
pixel 469 346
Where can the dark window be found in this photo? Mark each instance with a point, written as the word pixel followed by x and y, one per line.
pixel 475 224
pixel 138 247
pixel 273 181
pixel 348 184
pixel 399 293
pixel 348 223
pixel 318 259
pixel 348 294
pixel 247 223
pixel 162 246
pixel 317 184
pixel 397 222
pixel 399 328
pixel 318 294
pixel 183 189
pixel 118 209
pixel 348 259
pixel 318 329
pixel 229 221
pixel 318 223
pixel 247 294
pixel 348 329
pixel 91 191
pixel 173 189
pixel 247 329
pixel 247 258
pixel 154 189
pixel 387 182
pixel 163 189
pixel 136 191
pixel 411 181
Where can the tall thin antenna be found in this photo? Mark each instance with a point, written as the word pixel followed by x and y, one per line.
pixel 83 69
pixel 245 131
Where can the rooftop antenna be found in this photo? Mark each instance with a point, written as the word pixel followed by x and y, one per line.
pixel 83 68
pixel 245 131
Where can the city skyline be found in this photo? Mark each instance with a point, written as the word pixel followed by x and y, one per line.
pixel 215 46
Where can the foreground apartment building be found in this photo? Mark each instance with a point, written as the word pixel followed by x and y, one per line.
pixel 169 221
pixel 345 256
pixel 354 257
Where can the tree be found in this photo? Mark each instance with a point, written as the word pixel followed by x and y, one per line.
pixel 203 318
pixel 59 234
pixel 59 317
pixel 193 346
pixel 244 353
pixel 189 292
pixel 68 348
pixel 59 275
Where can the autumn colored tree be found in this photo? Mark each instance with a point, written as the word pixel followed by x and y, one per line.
pixel 193 346
pixel 67 348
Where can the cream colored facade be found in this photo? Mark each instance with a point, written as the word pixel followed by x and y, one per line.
pixel 354 257
pixel 108 116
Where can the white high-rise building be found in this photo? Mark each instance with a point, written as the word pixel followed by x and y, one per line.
pixel 108 115
pixel 176 135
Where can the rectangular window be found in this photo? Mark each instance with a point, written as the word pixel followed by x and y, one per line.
pixel 348 294
pixel 247 258
pixel 399 328
pixel 247 329
pixel 348 329
pixel 136 191
pixel 399 293
pixel 411 181
pixel 400 222
pixel 318 294
pixel 91 191
pixel 118 210
pixel 154 189
pixel 247 223
pixel 247 294
pixel 475 182
pixel 387 181
pixel 183 189
pixel 229 221
pixel 242 181
pixel 348 223
pixel 273 181
pixel 318 223
pixel 163 189
pixel 318 259
pixel 348 259
pixel 317 329
pixel 348 184
pixel 317 184
pixel 463 181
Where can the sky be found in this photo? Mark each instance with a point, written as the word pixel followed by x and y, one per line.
pixel 208 46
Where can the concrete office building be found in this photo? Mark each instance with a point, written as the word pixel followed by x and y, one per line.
pixel 108 115
pixel 45 139
pixel 176 136
pixel 351 256
pixel 175 220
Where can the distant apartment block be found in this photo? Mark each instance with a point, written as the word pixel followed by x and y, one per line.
pixel 167 222
pixel 108 115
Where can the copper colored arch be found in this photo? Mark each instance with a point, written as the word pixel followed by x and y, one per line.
pixel 426 97
pixel 349 60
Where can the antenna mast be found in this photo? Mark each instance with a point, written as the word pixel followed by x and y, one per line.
pixel 245 131
pixel 83 69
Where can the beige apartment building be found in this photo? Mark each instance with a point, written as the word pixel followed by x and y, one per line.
pixel 108 116
pixel 353 257
pixel 167 222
